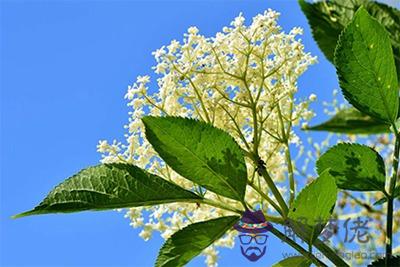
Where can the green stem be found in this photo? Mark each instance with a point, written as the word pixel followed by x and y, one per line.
pixel 238 130
pixel 274 219
pixel 200 100
pixel 389 231
pixel 297 247
pixel 263 172
pixel 392 185
pixel 154 104
pixel 285 136
pixel 291 173
pixel 220 205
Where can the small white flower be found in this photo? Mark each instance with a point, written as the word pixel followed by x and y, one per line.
pixel 161 68
pixel 193 30
pixel 238 21
pixel 130 94
pixel 297 31
pixel 137 222
pixel 146 233
pixel 159 53
pixel 143 79
pixel 312 97
pixel 103 146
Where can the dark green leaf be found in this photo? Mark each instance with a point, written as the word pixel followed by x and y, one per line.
pixel 380 201
pixel 199 152
pixel 298 261
pixel 365 66
pixel 393 262
pixel 354 167
pixel 396 194
pixel 327 19
pixel 110 186
pixel 313 207
pixel 352 121
pixel 189 242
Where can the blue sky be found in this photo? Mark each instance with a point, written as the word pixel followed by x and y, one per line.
pixel 65 67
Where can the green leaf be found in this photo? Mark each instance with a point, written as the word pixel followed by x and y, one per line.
pixel 354 167
pixel 298 261
pixel 393 262
pixel 327 19
pixel 351 121
pixel 380 201
pixel 313 207
pixel 396 194
pixel 189 242
pixel 199 152
pixel 110 186
pixel 365 66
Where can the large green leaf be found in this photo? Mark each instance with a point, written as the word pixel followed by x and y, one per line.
pixel 354 167
pixel 365 66
pixel 298 261
pixel 110 186
pixel 327 19
pixel 313 207
pixel 351 121
pixel 200 152
pixel 189 242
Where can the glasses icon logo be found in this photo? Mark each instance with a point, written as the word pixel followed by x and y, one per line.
pixel 258 239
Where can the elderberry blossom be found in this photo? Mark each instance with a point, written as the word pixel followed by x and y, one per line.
pixel 242 80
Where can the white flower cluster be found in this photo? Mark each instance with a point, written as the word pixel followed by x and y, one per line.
pixel 242 80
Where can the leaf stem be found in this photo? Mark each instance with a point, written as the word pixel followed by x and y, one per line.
pixel 392 185
pixel 285 136
pixel 329 253
pixel 267 198
pixel 362 204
